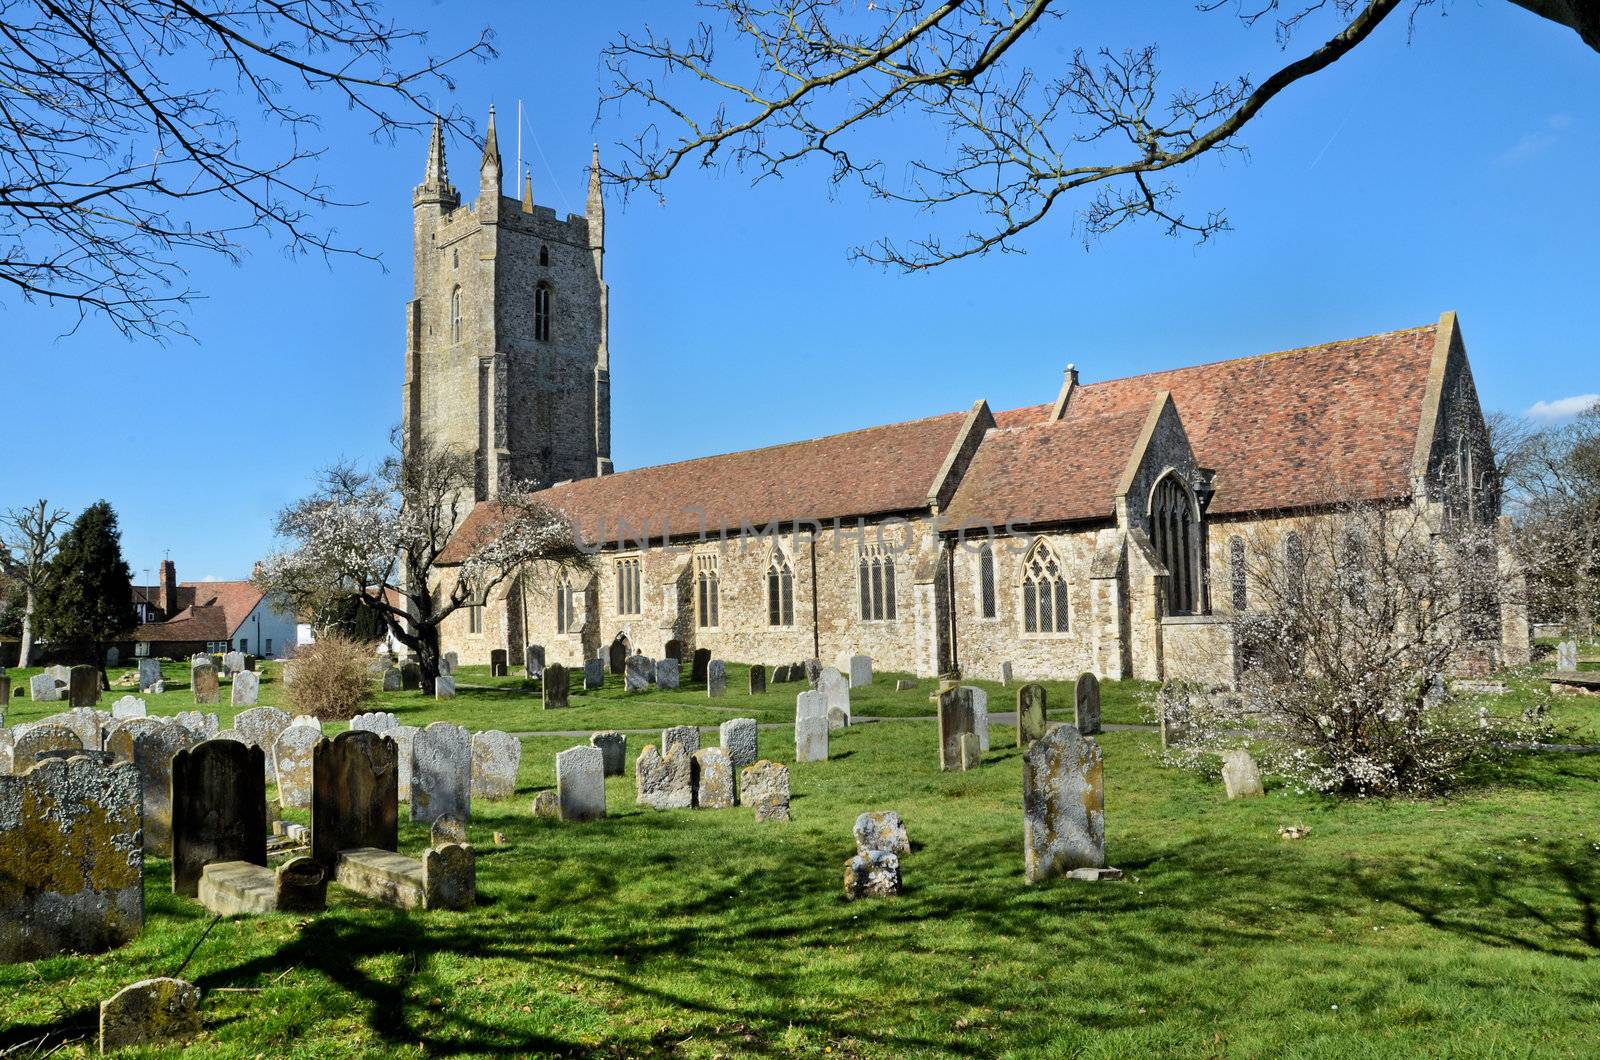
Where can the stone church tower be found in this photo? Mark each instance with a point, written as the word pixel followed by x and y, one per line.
pixel 506 329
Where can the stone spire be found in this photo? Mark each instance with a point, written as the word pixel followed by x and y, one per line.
pixel 596 209
pixel 527 191
pixel 489 168
pixel 436 188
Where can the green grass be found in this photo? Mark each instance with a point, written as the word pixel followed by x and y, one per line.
pixel 1460 927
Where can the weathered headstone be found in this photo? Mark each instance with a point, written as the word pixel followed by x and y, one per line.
pixel 129 707
pixel 905 684
pixel 663 782
pixel 533 660
pixel 7 750
pixel 445 830
pixel 496 757
pixel 150 744
pixel 581 783
pixel 150 1012
pixel 448 662
pixel 556 687
pixel 404 737
pixel 594 674
pixel 685 736
pixel 391 679
pixel 1240 777
pixel 83 687
pixel 811 727
pixel 875 874
pixel 1063 805
pixel 410 677
pixel 834 687
pixel 149 673
pixel 546 804
pixel 758 679
pixel 1567 655
pixel 860 670
pixel 262 726
pixel 355 787
pixel 246 688
pixel 702 660
pixel 203 681
pixel 203 725
pixel 613 751
pixel 765 786
pixel 640 670
pixel 233 662
pixel 673 649
pixel 219 809
pixel 497 662
pixel 711 776
pixel 87 722
pixel 292 761
pixel 780 676
pixel 441 773
pixel 73 867
pixel 40 738
pixel 1005 674
pixel 618 656
pixel 1086 704
pixel 1032 713
pixel 444 687
pixel 668 673
pixel 812 668
pixel 5 693
pixel 716 678
pixel 740 737
pixel 113 656
pixel 42 688
pixel 375 721
pixel 978 703
pixel 955 721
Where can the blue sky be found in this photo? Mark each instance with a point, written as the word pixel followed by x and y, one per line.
pixel 1450 170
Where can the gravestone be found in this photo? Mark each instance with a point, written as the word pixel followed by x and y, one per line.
pixel 716 678
pixel 375 721
pixel 1174 728
pixel 663 782
pixel 444 687
pixel 875 874
pixel 448 662
pixel 73 867
pixel 87 722
pixel 978 703
pixel 955 721
pixel 306 720
pixel 673 649
pixel 150 744
pixel 446 829
pixel 1005 674
pixel 619 655
pixel 496 757
pixel 150 1012
pixel 758 679
pixel 246 688
pixel 7 750
pixel 765 786
pixel 740 737
pixel 685 736
pixel 83 687
pixel 355 786
pixel 42 688
pixel 1032 713
pixel 834 687
pixel 533 660
pixel 262 726
pixel 812 668
pixel 38 739
pixel 594 674
pixel 410 677
pixel 711 776
pixel 1567 656
pixel 204 726
pixel 497 662
pixel 149 673
pixel 860 670
pixel 668 673
pixel 780 676
pixel 5 693
pixel 233 662
pixel 546 804
pixel 581 783
pixel 1063 805
pixel 810 727
pixel 203 680
pixel 556 687
pixel 882 830
pixel 286 672
pixel 702 660
pixel 1240 777
pixel 404 737
pixel 219 809
pixel 391 679
pixel 128 707
pixel 639 672
pixel 613 748
pixel 113 656
pixel 1086 704
pixel 292 759
pixel 441 773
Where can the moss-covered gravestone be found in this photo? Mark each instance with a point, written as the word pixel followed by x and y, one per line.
pixel 1086 704
pixel 1032 713
pixel 1063 805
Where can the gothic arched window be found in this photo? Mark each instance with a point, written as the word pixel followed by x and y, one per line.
pixel 1044 592
pixel 564 607
pixel 628 595
pixel 455 314
pixel 986 593
pixel 708 595
pixel 1238 576
pixel 1175 533
pixel 544 255
pixel 876 572
pixel 780 590
pixel 541 312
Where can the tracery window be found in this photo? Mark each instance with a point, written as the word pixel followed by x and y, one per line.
pixel 780 590
pixel 1238 576
pixel 565 611
pixel 1044 592
pixel 986 589
pixel 628 596
pixel 876 571
pixel 541 312
pixel 707 592
pixel 1175 533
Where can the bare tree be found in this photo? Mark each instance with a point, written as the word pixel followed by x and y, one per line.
pixel 1558 520
pixel 1005 143
pixel 378 538
pixel 120 142
pixel 28 540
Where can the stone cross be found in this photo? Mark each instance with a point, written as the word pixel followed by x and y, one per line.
pixel 581 783
pixel 441 773
pixel 1086 704
pixel 1063 805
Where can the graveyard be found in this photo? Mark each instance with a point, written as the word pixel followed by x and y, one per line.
pixel 704 932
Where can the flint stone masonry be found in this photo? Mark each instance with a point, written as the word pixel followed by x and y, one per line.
pixel 834 688
pixel 355 783
pixel 711 776
pixel 441 773
pixel 444 687
pixel 875 874
pixel 881 830
pixel 668 672
pixel 74 866
pixel 716 679
pixel 1033 713
pixel 685 736
pixel 663 782
pixel 556 687
pixel 292 760
pixel 246 688
pixel 581 784
pixel 978 703
pixel 219 810
pixel 639 672
pixel 149 673
pixel 203 680
pixel 811 727
pixel 83 687
pixel 150 1012
pixel 613 747
pixel 496 757
pixel 128 707
pixel 594 674
pixel 741 738
pixel 1063 805
pixel 149 744
pixel 955 721
pixel 1086 704
pixel 1240 777
pixel 533 660
pixel 702 661
pixel 765 786
pixel 758 679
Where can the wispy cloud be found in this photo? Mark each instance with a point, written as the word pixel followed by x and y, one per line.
pixel 1546 136
pixel 214 578
pixel 1561 408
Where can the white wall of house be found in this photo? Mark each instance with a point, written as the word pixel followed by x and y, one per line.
pixel 266 633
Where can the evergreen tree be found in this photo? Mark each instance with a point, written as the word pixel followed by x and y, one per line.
pixel 88 599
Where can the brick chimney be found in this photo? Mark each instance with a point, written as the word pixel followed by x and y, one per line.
pixel 167 599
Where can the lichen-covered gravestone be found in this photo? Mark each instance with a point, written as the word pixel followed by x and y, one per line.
pixel 684 736
pixel 613 751
pixel 716 678
pixel 37 739
pixel 72 862
pixel 128 707
pixel 262 726
pixel 955 721
pixel 355 782
pixel 149 1012
pixel 441 772
pixel 834 687
pixel 594 674
pixel 444 687
pixel 875 874
pixel 1032 713
pixel 663 782
pixel 233 662
pixel 1086 704
pixel 533 660
pixel 219 809
pixel 546 804
pixel 42 688
pixel 702 661
pixel 1063 805
pixel 810 727
pixel 1005 674
pixel 7 750
pixel 292 760
pixel 1240 777
pixel 780 676
pixel 881 830
pixel 639 671
pixel 205 726
pixel 203 681
pixel 556 687
pixel 581 783
pixel 375 721
pixel 978 703
pixel 668 673
pixel 149 744
pixel 404 737
pixel 496 757
pixel 497 662
pixel 740 737
pixel 87 722
pixel 246 688
pixel 711 776
pixel 765 786
pixel 391 679
pixel 83 686
pixel 149 673
pixel 860 670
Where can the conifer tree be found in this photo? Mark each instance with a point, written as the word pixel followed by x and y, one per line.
pixel 88 598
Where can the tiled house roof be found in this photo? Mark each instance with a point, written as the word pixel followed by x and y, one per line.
pixel 209 611
pixel 190 624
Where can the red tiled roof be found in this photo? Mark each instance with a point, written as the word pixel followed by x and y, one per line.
pixel 190 624
pixel 868 472
pixel 217 608
pixel 1289 429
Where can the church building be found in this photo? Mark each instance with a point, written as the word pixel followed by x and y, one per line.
pixel 1105 529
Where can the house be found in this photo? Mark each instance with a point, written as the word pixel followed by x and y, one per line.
pixel 179 619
